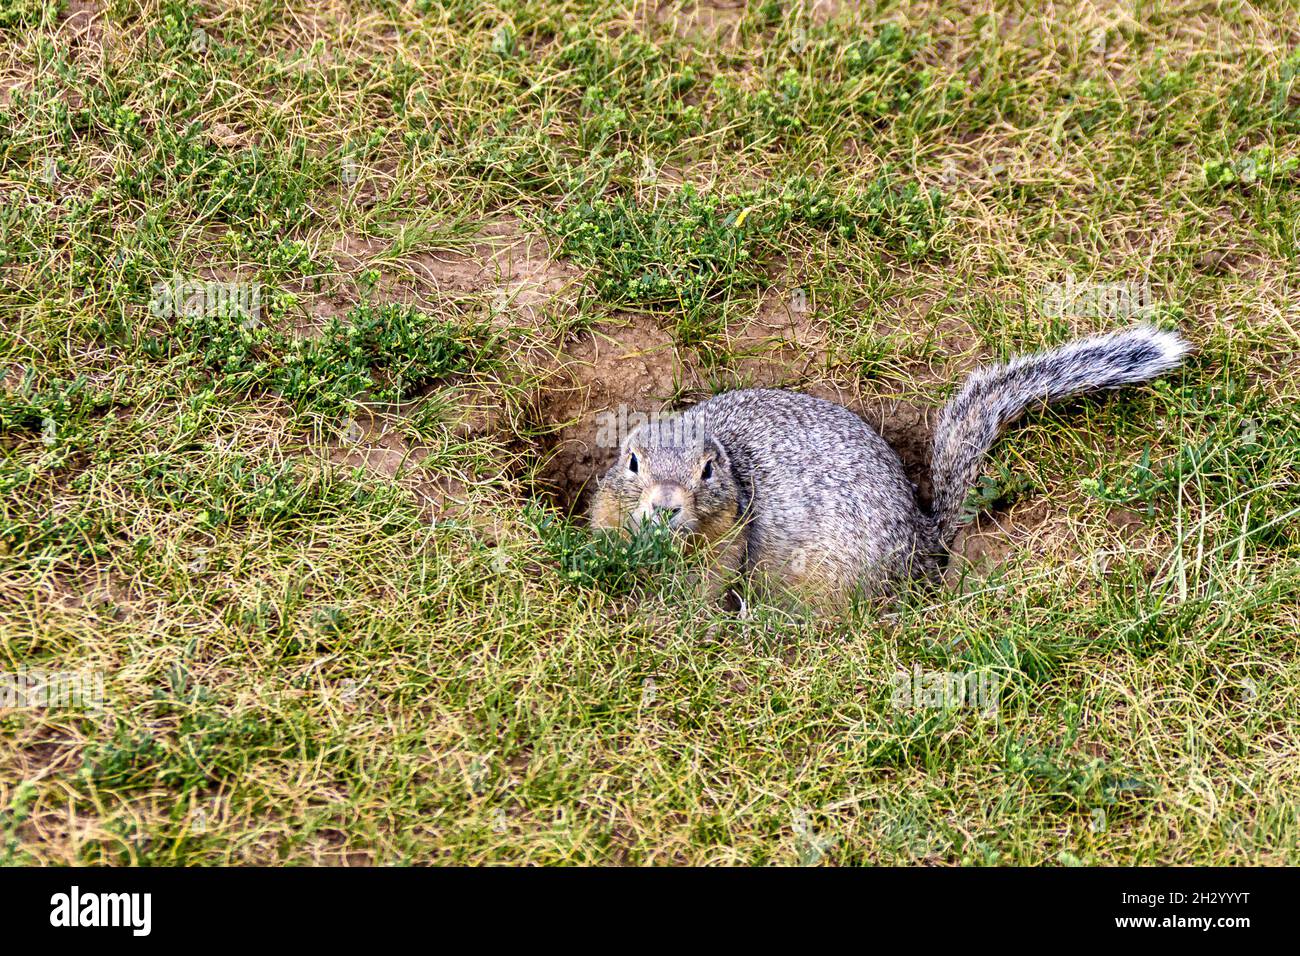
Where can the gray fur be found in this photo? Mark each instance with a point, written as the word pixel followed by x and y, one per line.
pixel 816 498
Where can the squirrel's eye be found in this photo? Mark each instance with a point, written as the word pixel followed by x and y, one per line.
pixel 707 473
pixel 631 463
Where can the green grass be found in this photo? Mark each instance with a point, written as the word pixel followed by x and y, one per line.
pixel 339 618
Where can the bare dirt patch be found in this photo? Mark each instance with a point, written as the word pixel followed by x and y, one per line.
pixel 528 291
pixel 990 540
pixel 716 23
pixel 504 264
pixel 619 369
pixel 783 344
pixel 374 444
pixel 1043 528
pixel 508 263
pixel 83 23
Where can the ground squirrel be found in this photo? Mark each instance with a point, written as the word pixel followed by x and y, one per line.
pixel 801 492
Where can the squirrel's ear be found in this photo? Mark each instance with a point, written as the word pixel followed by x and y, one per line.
pixel 629 438
pixel 713 449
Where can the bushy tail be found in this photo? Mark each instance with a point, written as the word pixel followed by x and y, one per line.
pixel 996 396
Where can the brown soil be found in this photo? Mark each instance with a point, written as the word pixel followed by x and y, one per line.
pixel 373 444
pixel 619 368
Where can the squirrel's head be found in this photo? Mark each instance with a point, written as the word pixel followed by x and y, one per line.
pixel 671 472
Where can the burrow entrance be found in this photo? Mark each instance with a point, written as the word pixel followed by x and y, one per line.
pixel 630 366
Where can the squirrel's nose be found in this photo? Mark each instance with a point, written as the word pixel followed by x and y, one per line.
pixel 664 503
pixel 667 512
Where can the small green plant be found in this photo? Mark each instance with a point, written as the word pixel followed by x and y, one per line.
pixel 1261 165
pixel 50 409
pixel 252 187
pixel 206 747
pixel 1069 778
pixel 127 759
pixel 387 352
pixel 609 561
pixel 996 491
pixel 1161 88
pixel 839 86
pixel 629 90
pixel 691 251
pixel 680 251
pixel 27 13
pixel 13 817
pixel 234 488
pixel 904 215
